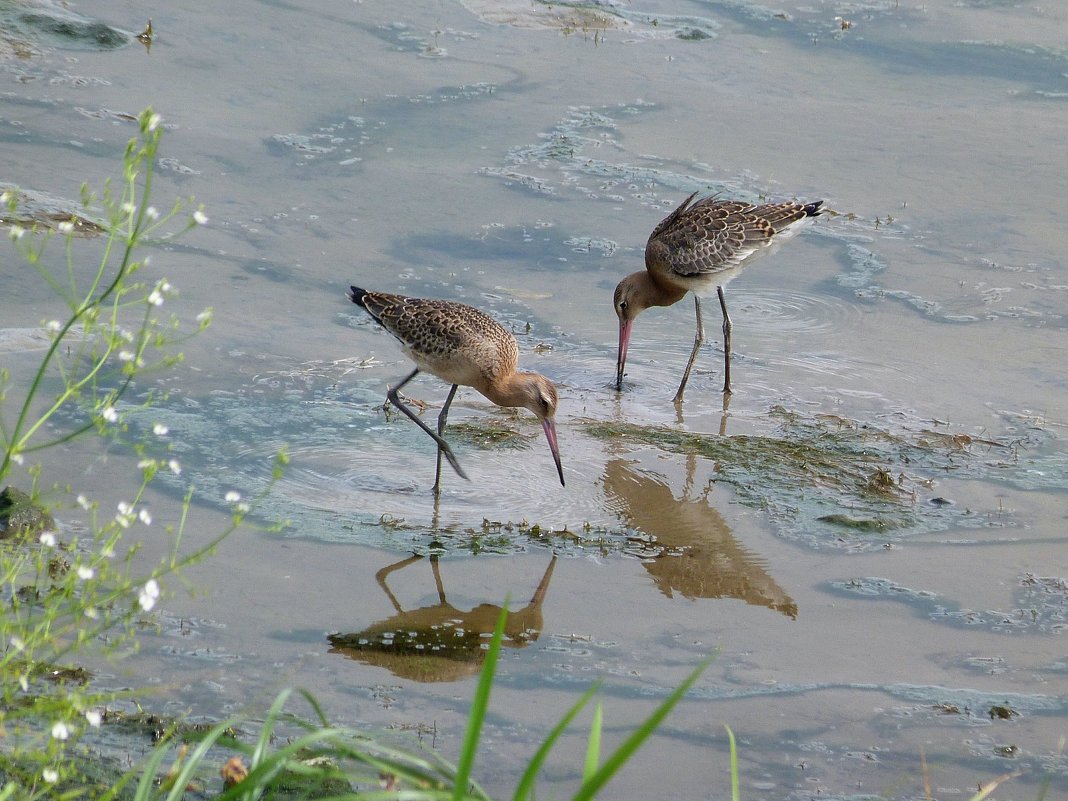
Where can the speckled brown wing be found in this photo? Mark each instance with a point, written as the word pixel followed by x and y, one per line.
pixel 426 325
pixel 783 215
pixel 440 331
pixel 711 235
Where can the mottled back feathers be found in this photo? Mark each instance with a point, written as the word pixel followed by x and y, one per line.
pixel 444 337
pixel 710 236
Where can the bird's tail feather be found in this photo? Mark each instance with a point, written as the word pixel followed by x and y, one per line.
pixel 357 295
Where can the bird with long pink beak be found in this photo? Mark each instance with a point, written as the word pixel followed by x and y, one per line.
pixel 463 347
pixel 699 246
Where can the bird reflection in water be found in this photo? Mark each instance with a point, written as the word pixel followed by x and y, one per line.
pixel 439 642
pixel 691 550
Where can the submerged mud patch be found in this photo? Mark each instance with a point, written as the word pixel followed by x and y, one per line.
pixel 829 482
pixel 55 25
pixel 34 209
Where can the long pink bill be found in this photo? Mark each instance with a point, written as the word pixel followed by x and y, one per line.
pixel 550 434
pixel 621 359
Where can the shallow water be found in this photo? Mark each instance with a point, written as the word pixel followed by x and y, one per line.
pixel 516 157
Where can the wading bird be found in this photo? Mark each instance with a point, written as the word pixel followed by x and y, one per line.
pixel 699 246
pixel 464 347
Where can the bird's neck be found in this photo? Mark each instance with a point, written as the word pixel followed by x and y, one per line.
pixel 650 292
pixel 509 391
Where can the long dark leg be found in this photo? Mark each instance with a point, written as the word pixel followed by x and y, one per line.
pixel 442 417
pixel 443 446
pixel 728 326
pixel 698 339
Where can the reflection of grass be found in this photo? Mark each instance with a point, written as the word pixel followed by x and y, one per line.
pixel 823 477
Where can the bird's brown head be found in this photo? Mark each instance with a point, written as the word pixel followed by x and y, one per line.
pixel 539 395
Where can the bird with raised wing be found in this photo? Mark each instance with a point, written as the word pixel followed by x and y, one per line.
pixel 699 246
pixel 463 347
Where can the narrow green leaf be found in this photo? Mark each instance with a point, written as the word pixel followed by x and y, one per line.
pixel 617 759
pixel 525 789
pixel 734 764
pixel 477 716
pixel 593 747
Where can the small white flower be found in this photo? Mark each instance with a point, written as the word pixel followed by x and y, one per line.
pixel 126 514
pixel 175 467
pixel 152 213
pixel 50 775
pixel 127 356
pixel 128 207
pixel 200 218
pixel 91 613
pixel 146 464
pixel 17 458
pixel 85 572
pixel 48 539
pixel 110 414
pixel 53 326
pixel 24 683
pixel 204 318
pixel 156 298
pixel 15 641
pixel 160 430
pixel 107 552
pixel 5 196
pixel 66 227
pixel 233 496
pixel 164 286
pixel 94 717
pixel 16 233
pixel 60 731
pixel 243 508
pixel 145 516
pixel 84 502
pixel 153 122
pixel 149 595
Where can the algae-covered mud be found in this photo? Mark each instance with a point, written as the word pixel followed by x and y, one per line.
pixel 828 482
pixel 869 532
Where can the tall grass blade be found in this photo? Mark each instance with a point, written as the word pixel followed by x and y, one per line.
pixel 735 795
pixel 614 762
pixel 478 711
pixel 525 789
pixel 993 784
pixel 593 747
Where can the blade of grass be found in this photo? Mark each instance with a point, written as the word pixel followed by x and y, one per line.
pixel 614 762
pixel 192 763
pixel 593 747
pixel 478 710
pixel 993 783
pixel 525 788
pixel 735 796
pixel 267 730
pixel 148 773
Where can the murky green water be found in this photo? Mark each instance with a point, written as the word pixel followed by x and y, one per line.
pixel 876 550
